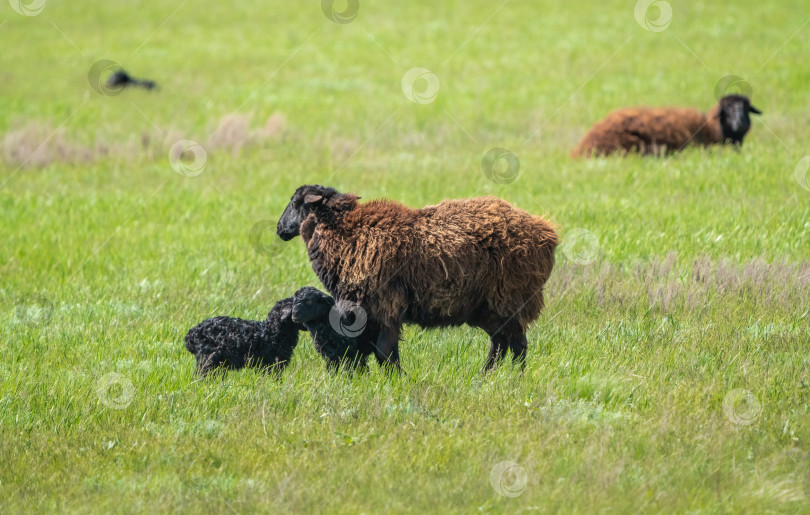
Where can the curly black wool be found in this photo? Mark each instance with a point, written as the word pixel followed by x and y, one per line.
pixel 235 343
pixel 337 345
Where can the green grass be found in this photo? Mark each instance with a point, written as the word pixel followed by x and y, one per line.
pixel 699 286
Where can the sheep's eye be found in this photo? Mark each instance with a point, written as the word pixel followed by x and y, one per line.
pixel 309 303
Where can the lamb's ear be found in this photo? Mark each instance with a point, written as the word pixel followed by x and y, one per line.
pixel 752 109
pixel 311 198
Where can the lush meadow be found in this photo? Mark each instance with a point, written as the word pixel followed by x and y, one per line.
pixel 669 371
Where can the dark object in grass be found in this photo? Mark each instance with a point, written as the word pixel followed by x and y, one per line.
pixel 121 79
pixel 478 261
pixel 662 130
pixel 234 343
pixel 332 334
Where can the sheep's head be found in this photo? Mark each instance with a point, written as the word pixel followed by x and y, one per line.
pixel 312 199
pixel 311 304
pixel 733 113
pixel 282 313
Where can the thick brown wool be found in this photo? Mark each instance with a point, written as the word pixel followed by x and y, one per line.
pixel 648 130
pixel 446 264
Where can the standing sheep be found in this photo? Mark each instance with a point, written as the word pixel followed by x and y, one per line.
pixel 336 344
pixel 234 343
pixel 477 261
pixel 658 130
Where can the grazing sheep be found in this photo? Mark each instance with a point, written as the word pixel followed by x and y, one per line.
pixel 316 311
pixel 649 130
pixel 121 79
pixel 477 261
pixel 234 343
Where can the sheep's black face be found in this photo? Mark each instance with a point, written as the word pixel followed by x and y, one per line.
pixel 311 304
pixel 300 206
pixel 734 119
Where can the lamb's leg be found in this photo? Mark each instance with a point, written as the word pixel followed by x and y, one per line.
pixel 387 348
pixel 368 344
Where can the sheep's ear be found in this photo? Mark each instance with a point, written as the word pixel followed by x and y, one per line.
pixel 343 202
pixel 312 199
pixel 752 109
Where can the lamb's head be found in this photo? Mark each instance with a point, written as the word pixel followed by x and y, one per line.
pixel 733 113
pixel 312 199
pixel 281 314
pixel 311 304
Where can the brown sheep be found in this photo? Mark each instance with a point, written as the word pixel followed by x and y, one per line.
pixel 658 130
pixel 477 261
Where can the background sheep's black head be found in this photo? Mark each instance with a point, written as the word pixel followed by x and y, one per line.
pixel 121 79
pixel 734 120
pixel 311 304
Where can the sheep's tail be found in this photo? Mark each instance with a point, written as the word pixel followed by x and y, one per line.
pixel 525 281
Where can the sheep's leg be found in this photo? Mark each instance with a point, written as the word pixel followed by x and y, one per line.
pixel 492 357
pixel 368 346
pixel 519 344
pixel 387 348
pixel 497 350
pixel 504 334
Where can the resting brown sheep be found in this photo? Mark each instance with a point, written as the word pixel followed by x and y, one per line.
pixel 477 261
pixel 658 130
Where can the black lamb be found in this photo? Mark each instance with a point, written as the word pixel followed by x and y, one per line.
pixel 337 339
pixel 234 343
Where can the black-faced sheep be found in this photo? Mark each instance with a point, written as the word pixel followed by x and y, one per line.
pixel 649 130
pixel 338 340
pixel 234 343
pixel 478 261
